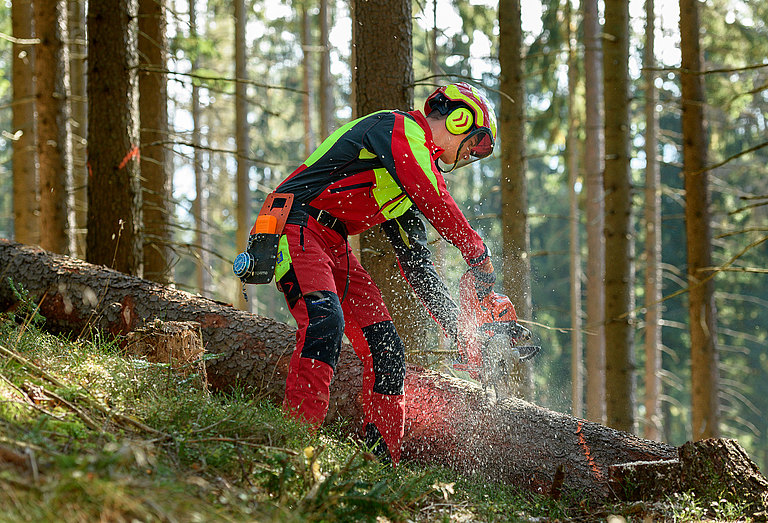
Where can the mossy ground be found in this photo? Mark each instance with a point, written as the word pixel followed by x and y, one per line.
pixel 87 434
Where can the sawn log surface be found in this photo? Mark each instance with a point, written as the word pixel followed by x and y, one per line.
pixel 448 421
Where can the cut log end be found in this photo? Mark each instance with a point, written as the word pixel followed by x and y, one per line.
pixel 176 343
pixel 712 469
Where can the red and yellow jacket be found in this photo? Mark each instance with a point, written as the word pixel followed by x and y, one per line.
pixel 374 169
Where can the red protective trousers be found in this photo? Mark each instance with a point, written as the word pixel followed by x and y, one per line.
pixel 322 267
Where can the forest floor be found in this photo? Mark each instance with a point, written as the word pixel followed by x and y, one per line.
pixel 87 434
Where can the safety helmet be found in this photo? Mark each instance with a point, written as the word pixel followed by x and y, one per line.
pixel 468 111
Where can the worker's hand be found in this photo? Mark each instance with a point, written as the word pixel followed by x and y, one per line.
pixel 485 277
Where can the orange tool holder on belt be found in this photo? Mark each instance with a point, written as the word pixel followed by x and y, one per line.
pixel 257 264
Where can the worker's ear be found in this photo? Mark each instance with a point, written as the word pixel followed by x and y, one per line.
pixel 459 121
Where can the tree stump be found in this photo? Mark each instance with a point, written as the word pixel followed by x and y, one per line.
pixel 713 469
pixel 177 343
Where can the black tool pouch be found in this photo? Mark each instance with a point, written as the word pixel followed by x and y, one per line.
pixel 257 264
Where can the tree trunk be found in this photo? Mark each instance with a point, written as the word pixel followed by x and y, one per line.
pixel 619 361
pixel 153 111
pixel 78 82
pixel 200 205
pixel 572 159
pixel 439 245
pixel 705 382
pixel 516 267
pixel 594 210
pixel 114 191
pixel 385 81
pixel 653 306
pixel 327 105
pixel 53 129
pixel 26 223
pixel 307 77
pixel 448 421
pixel 242 182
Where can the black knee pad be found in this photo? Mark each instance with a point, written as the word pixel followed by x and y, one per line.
pixel 325 329
pixel 388 353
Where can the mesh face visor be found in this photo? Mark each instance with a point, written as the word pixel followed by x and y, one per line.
pixel 476 146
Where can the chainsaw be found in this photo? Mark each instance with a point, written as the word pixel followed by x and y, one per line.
pixel 491 342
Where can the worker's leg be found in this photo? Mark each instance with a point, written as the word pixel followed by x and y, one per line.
pixel 370 329
pixel 309 290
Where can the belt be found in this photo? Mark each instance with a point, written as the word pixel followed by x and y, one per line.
pixel 322 217
pixel 298 216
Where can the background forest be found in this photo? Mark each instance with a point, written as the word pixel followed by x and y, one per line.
pixel 251 113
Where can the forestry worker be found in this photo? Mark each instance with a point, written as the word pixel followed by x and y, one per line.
pixel 385 168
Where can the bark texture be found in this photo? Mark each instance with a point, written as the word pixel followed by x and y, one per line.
pixel 653 275
pixel 705 380
pixel 516 266
pixel 574 243
pixel 245 216
pixel 384 80
pixel 78 104
pixel 448 421
pixel 26 224
pixel 179 344
pixel 712 469
pixel 153 113
pixel 114 192
pixel 200 205
pixel 53 130
pixel 619 270
pixel 594 206
pixel 325 95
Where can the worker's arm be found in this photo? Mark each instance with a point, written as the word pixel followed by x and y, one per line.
pixel 408 236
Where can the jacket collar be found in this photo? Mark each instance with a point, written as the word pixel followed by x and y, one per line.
pixel 434 150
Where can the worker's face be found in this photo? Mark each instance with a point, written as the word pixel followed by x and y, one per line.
pixel 455 150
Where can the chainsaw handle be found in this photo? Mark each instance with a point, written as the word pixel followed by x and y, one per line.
pixel 508 328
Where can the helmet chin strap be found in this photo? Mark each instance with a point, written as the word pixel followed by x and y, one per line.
pixel 441 165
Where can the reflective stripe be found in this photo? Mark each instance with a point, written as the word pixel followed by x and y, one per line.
pixel 365 154
pixel 391 199
pixel 332 139
pixel 416 138
pixel 283 258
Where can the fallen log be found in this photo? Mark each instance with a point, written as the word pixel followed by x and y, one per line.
pixel 448 421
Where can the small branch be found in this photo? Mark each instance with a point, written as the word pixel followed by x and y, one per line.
pixel 210 78
pixel 713 271
pixel 81 414
pixel 90 402
pixel 19 41
pixel 213 150
pixel 747 207
pixel 22 360
pixel 742 231
pixel 733 157
pixel 709 71
pixel 753 270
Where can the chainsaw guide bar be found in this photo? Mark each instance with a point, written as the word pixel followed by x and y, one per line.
pixel 490 339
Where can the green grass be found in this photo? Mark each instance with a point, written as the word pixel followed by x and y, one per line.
pixel 110 438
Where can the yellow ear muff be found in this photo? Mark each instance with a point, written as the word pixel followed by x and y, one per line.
pixel 459 121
